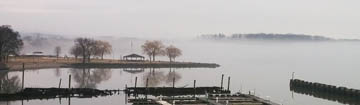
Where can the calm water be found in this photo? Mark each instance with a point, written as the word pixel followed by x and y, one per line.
pixel 263 67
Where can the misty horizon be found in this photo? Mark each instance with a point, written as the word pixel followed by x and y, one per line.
pixel 161 18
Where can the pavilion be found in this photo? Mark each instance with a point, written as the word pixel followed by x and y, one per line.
pixel 134 57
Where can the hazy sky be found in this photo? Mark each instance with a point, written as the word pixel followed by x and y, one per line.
pixel 186 18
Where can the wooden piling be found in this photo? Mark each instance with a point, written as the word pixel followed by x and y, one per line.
pixel 228 84
pixel 23 75
pixel 222 79
pixel 69 81
pixel 0 85
pixel 135 81
pixel 60 83
pixel 174 82
pixel 146 86
pixel 194 88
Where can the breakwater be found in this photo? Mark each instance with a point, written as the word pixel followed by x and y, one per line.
pixel 329 92
pixel 143 65
pixel 49 93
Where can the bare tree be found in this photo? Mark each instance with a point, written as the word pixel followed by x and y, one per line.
pixel 10 42
pixel 172 52
pixel 76 51
pixel 102 48
pixel 153 48
pixel 86 45
pixel 57 51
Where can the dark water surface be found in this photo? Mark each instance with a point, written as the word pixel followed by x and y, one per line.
pixel 262 67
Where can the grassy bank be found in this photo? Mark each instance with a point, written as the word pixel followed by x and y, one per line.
pixel 52 62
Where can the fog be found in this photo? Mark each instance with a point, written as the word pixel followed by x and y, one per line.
pixel 264 66
pixel 183 18
pixel 261 66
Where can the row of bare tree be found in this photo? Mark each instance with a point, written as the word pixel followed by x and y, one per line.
pixel 157 48
pixel 87 48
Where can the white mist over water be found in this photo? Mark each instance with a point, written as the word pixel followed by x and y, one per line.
pixel 263 67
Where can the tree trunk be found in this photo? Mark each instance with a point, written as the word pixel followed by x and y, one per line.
pixel 84 57
pixel 102 56
pixel 7 58
pixel 154 57
pixel 89 58
pixel 1 53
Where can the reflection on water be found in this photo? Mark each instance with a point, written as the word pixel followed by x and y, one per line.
pixel 5 103
pixel 9 84
pixel 331 96
pixel 158 77
pixel 134 70
pixel 171 75
pixel 57 72
pixel 89 78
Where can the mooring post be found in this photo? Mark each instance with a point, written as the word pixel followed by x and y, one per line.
pixel 174 82
pixel 228 84
pixel 194 88
pixel 146 88
pixel 0 85
pixel 293 73
pixel 135 94
pixel 23 75
pixel 69 101
pixel 69 81
pixel 135 82
pixel 60 83
pixel 222 79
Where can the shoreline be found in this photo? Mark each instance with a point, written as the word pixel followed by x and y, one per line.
pixel 18 66
pixel 145 65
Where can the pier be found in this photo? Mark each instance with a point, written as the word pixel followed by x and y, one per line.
pixel 170 91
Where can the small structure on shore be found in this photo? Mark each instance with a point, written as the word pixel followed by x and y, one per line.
pixel 134 57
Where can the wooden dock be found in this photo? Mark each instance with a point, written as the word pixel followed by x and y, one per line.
pixel 174 91
pixel 204 96
pixel 224 99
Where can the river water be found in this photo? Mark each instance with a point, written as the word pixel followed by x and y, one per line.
pixel 261 67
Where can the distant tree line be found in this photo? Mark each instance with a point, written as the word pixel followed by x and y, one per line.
pixel 87 48
pixel 10 42
pixel 264 36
